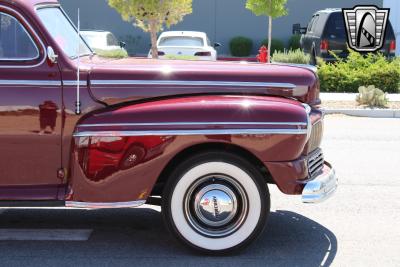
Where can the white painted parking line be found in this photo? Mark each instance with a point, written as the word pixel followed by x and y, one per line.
pixel 45 234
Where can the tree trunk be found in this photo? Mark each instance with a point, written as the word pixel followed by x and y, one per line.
pixel 269 38
pixel 153 35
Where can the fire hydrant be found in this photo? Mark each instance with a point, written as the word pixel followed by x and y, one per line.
pixel 263 54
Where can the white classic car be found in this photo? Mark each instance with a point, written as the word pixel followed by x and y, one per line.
pixel 102 40
pixel 186 44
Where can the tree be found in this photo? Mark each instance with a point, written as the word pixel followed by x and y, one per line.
pixel 152 15
pixel 270 8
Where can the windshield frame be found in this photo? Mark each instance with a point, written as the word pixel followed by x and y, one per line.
pixel 58 6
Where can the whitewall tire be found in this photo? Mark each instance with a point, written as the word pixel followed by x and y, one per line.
pixel 216 202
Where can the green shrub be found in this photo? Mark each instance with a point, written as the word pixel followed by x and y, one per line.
pixel 241 46
pixel 294 42
pixel 291 56
pixel 372 97
pixel 357 70
pixel 276 45
pixel 117 53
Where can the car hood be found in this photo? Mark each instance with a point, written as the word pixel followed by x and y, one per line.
pixel 117 81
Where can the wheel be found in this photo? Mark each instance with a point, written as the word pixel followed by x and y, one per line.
pixel 216 202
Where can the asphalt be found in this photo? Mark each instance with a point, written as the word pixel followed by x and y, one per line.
pixel 359 226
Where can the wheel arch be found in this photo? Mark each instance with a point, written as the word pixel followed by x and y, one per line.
pixel 207 147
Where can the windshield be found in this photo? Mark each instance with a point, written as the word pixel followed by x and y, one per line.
pixel 63 32
pixel 181 41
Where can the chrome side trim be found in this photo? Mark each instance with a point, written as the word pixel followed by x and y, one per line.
pixel 30 31
pixel 30 83
pixel 192 132
pixel 104 205
pixel 74 83
pixel 193 83
pixel 302 124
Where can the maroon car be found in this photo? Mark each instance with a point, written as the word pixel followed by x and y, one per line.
pixel 202 139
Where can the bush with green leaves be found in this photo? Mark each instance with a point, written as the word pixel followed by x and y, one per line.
pixel 347 75
pixel 241 46
pixel 294 42
pixel 115 53
pixel 276 45
pixel 371 96
pixel 292 56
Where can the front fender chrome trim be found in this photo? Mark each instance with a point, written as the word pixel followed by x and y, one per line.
pixel 298 124
pixel 194 83
pixel 104 205
pixel 192 132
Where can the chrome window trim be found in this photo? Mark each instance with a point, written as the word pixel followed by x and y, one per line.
pixel 31 31
pixel 194 83
pixel 192 132
pixel 104 205
pixel 302 124
pixel 30 83
pixel 56 5
pixel 30 37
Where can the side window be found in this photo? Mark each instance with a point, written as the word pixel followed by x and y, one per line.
pixel 310 24
pixel 15 42
pixel 315 24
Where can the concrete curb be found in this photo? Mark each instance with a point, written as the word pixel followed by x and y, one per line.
pixel 371 113
pixel 350 97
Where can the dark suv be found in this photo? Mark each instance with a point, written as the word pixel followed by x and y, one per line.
pixel 326 32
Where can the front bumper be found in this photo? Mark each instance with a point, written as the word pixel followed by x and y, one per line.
pixel 322 187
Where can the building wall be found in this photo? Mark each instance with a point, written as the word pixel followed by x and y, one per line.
pixel 221 19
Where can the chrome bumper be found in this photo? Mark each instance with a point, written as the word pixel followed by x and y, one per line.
pixel 322 187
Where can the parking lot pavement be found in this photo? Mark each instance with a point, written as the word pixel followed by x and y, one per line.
pixel 357 227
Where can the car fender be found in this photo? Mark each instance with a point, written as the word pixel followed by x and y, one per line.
pixel 270 128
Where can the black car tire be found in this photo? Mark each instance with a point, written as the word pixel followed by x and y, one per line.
pixel 184 206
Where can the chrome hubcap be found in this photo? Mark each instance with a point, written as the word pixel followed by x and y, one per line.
pixel 216 205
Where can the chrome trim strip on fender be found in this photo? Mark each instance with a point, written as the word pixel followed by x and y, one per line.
pixel 30 83
pixel 301 124
pixel 30 31
pixel 104 205
pixel 192 132
pixel 193 83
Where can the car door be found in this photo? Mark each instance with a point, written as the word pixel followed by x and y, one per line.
pixel 30 117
